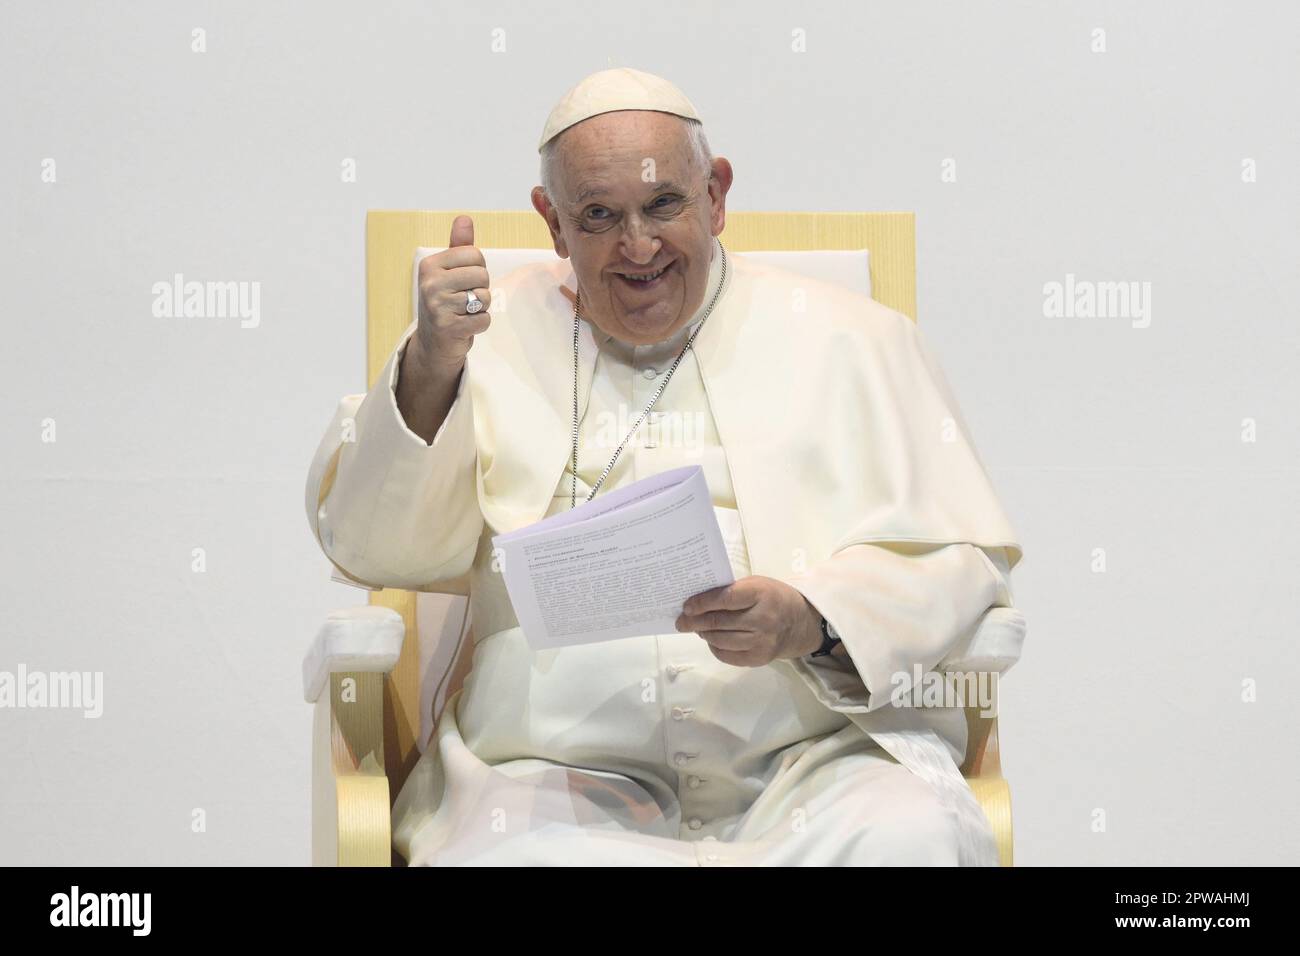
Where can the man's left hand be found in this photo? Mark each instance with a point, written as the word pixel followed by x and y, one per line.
pixel 753 622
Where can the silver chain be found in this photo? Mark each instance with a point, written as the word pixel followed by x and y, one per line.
pixel 573 490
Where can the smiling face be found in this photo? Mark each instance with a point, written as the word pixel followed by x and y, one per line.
pixel 632 201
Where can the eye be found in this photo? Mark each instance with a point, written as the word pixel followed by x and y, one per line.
pixel 663 202
pixel 595 219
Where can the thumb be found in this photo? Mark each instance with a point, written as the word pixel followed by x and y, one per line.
pixel 462 232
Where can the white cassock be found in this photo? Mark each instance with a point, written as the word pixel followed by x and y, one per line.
pixel 837 461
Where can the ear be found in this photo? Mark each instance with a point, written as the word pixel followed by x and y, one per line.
pixel 720 176
pixel 545 209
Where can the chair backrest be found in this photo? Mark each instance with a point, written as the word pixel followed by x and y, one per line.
pixel 435 656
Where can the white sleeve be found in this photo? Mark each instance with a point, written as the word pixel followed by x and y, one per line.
pixel 388 508
pixel 896 607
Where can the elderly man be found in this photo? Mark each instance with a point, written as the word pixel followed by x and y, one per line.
pixel 864 535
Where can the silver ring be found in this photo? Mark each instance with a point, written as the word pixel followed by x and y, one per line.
pixel 473 303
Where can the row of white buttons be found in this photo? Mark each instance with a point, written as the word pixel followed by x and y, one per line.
pixel 682 758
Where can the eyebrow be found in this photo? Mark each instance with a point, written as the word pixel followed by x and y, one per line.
pixel 597 190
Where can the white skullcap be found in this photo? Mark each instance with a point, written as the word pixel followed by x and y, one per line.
pixel 611 90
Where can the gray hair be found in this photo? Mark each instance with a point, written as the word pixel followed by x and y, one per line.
pixel 701 156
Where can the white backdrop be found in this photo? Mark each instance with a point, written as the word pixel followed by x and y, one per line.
pixel 152 473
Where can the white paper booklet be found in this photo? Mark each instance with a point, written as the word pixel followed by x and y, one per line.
pixel 620 565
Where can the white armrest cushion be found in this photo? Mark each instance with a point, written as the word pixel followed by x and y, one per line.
pixel 366 638
pixel 993 646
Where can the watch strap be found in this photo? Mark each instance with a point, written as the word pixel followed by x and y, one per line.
pixel 829 639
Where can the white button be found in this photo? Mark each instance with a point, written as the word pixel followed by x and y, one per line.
pixel 695 823
pixel 681 713
pixel 711 857
pixel 681 759
pixel 693 782
pixel 649 373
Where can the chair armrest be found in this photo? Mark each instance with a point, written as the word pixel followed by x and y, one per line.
pixel 993 645
pixel 366 639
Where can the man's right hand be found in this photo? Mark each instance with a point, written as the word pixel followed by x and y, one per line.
pixel 446 330
pixel 435 355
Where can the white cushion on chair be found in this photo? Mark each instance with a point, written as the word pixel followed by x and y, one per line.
pixel 366 638
pixel 848 268
pixel 993 646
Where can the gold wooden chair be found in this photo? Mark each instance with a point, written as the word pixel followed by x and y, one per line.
pixel 370 667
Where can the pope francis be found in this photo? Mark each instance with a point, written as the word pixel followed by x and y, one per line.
pixel 865 537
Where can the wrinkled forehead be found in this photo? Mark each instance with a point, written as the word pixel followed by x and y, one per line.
pixel 627 150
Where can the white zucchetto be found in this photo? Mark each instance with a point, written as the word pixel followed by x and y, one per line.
pixel 611 90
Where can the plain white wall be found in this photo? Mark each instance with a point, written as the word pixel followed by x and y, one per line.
pixel 175 434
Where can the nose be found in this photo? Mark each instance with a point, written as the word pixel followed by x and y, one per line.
pixel 639 243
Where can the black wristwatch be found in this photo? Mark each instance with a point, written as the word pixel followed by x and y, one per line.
pixel 829 639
